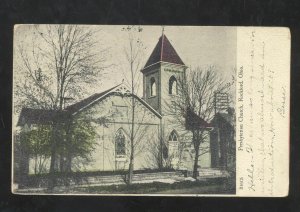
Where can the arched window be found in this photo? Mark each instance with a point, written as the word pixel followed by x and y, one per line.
pixel 173 136
pixel 172 85
pixel 153 87
pixel 173 148
pixel 120 143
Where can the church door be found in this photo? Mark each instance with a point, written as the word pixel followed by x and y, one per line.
pixel 173 149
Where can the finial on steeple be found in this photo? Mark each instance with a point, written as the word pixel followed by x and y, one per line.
pixel 162 30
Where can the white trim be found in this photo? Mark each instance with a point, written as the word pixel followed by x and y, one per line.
pixel 173 64
pixel 163 62
pixel 150 65
pixel 95 100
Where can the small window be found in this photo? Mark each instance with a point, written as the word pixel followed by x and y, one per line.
pixel 153 87
pixel 120 143
pixel 173 86
pixel 173 136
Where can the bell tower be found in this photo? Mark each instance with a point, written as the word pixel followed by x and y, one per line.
pixel 161 74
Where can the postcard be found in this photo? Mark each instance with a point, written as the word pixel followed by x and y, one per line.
pixel 151 110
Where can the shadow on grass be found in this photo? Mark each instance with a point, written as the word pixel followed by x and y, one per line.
pixel 209 186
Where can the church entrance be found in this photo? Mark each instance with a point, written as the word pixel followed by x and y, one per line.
pixel 173 149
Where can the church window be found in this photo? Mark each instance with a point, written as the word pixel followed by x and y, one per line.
pixel 153 87
pixel 173 136
pixel 120 143
pixel 173 86
pixel 173 151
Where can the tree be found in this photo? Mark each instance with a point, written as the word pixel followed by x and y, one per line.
pixel 133 55
pixel 36 144
pixel 54 66
pixel 79 142
pixel 195 98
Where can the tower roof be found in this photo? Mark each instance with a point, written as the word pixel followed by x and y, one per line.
pixel 165 52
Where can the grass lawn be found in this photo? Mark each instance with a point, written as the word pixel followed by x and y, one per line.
pixel 211 186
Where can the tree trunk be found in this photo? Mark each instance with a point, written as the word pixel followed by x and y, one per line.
pixel 160 162
pixel 24 164
pixel 195 169
pixel 61 163
pixel 131 162
pixel 131 167
pixel 52 180
pixel 131 159
pixel 35 164
pixel 196 141
pixel 68 167
pixel 226 150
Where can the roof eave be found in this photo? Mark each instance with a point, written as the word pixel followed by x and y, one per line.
pixel 162 62
pixel 146 67
pixel 113 90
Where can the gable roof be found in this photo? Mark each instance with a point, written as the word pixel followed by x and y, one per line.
pixel 43 116
pixel 164 52
pixel 78 105
pixel 35 116
pixel 121 89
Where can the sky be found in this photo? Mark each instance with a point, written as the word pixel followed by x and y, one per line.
pixel 197 46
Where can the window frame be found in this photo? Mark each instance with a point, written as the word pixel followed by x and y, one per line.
pixel 173 80
pixel 173 135
pixel 153 91
pixel 120 132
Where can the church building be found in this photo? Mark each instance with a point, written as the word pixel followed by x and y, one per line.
pixel 159 135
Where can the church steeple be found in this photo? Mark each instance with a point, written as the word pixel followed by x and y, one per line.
pixel 164 52
pixel 160 75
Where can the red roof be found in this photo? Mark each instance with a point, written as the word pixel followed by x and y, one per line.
pixel 164 51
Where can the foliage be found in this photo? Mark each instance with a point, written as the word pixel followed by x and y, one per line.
pixel 82 139
pixel 36 143
pixel 77 139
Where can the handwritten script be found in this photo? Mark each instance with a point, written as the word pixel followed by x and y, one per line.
pixel 261 103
